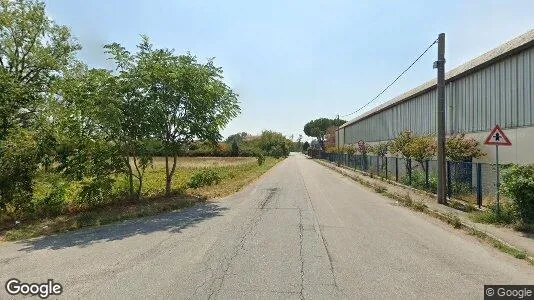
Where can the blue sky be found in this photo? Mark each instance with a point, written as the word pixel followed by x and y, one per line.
pixel 292 61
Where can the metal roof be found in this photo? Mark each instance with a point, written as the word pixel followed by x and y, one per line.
pixel 511 47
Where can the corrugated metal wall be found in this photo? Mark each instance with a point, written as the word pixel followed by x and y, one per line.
pixel 501 93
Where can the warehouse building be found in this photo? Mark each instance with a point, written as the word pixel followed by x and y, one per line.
pixel 494 88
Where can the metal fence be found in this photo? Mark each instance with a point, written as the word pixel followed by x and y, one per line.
pixel 472 182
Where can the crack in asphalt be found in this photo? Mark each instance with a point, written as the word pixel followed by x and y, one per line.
pixel 237 249
pixel 301 257
pixel 270 195
pixel 325 244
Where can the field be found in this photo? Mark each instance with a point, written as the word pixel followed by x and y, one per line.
pixel 234 173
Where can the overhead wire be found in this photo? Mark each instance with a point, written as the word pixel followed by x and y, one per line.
pixel 393 82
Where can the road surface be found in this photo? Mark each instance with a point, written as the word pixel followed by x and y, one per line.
pixel 299 232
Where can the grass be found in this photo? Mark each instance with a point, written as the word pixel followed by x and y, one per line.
pixel 235 173
pixel 101 216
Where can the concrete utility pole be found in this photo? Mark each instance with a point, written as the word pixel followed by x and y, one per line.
pixel 338 141
pixel 442 172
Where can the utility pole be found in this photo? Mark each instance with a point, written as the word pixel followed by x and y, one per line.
pixel 338 141
pixel 442 171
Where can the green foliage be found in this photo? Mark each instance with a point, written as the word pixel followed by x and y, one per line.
pixel 419 181
pixel 421 148
pixel 260 158
pixel 317 128
pixel 518 184
pixel 180 99
pixel 400 144
pixel 238 138
pixel 204 178
pixel 305 146
pixel 270 143
pixel 235 148
pixel 380 149
pixel 33 52
pixel 363 148
pixel 459 148
pixel 18 164
pixel 507 214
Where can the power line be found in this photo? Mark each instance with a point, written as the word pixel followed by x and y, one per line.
pixel 393 82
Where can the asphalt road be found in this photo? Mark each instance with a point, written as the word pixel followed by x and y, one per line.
pixel 300 232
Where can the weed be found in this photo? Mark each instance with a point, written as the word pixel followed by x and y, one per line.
pixel 204 178
pixel 419 205
pixel 505 215
pixel 380 189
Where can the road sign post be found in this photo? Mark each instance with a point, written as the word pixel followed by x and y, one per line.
pixel 497 138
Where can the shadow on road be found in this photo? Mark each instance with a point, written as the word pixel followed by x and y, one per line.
pixel 173 222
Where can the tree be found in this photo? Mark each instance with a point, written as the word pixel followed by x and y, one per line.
pixel 188 99
pixel 459 148
pixel 34 51
pixel 139 116
pixel 272 143
pixel 380 150
pixel 235 148
pixel 330 137
pixel 238 137
pixel 422 148
pixel 317 128
pixel 400 144
pixel 84 127
pixel 305 146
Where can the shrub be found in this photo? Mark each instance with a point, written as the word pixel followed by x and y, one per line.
pixel 507 214
pixel 380 149
pixel 96 191
pixel 235 149
pixel 18 165
pixel 50 195
pixel 399 145
pixel 204 178
pixel 518 184
pixel 460 148
pixel 261 159
pixel 419 181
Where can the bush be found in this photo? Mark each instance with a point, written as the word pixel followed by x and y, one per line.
pixel 260 158
pixel 235 149
pixel 518 184
pixel 50 195
pixel 203 178
pixel 18 165
pixel 419 181
pixel 507 214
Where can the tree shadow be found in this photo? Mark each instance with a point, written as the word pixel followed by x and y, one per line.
pixel 172 222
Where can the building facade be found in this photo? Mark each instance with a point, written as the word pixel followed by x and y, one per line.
pixel 494 88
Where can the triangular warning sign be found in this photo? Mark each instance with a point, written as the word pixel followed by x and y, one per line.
pixel 497 137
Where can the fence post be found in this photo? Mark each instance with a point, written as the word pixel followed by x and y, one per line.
pixel 386 166
pixel 396 169
pixel 409 171
pixel 427 183
pixel 479 185
pixel 449 180
pixel 377 166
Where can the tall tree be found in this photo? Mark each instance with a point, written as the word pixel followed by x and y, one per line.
pixel 317 128
pixel 138 110
pixel 187 100
pixel 33 52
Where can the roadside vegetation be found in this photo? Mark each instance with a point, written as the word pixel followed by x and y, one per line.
pixel 517 187
pixel 517 208
pixel 79 143
pixel 193 182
